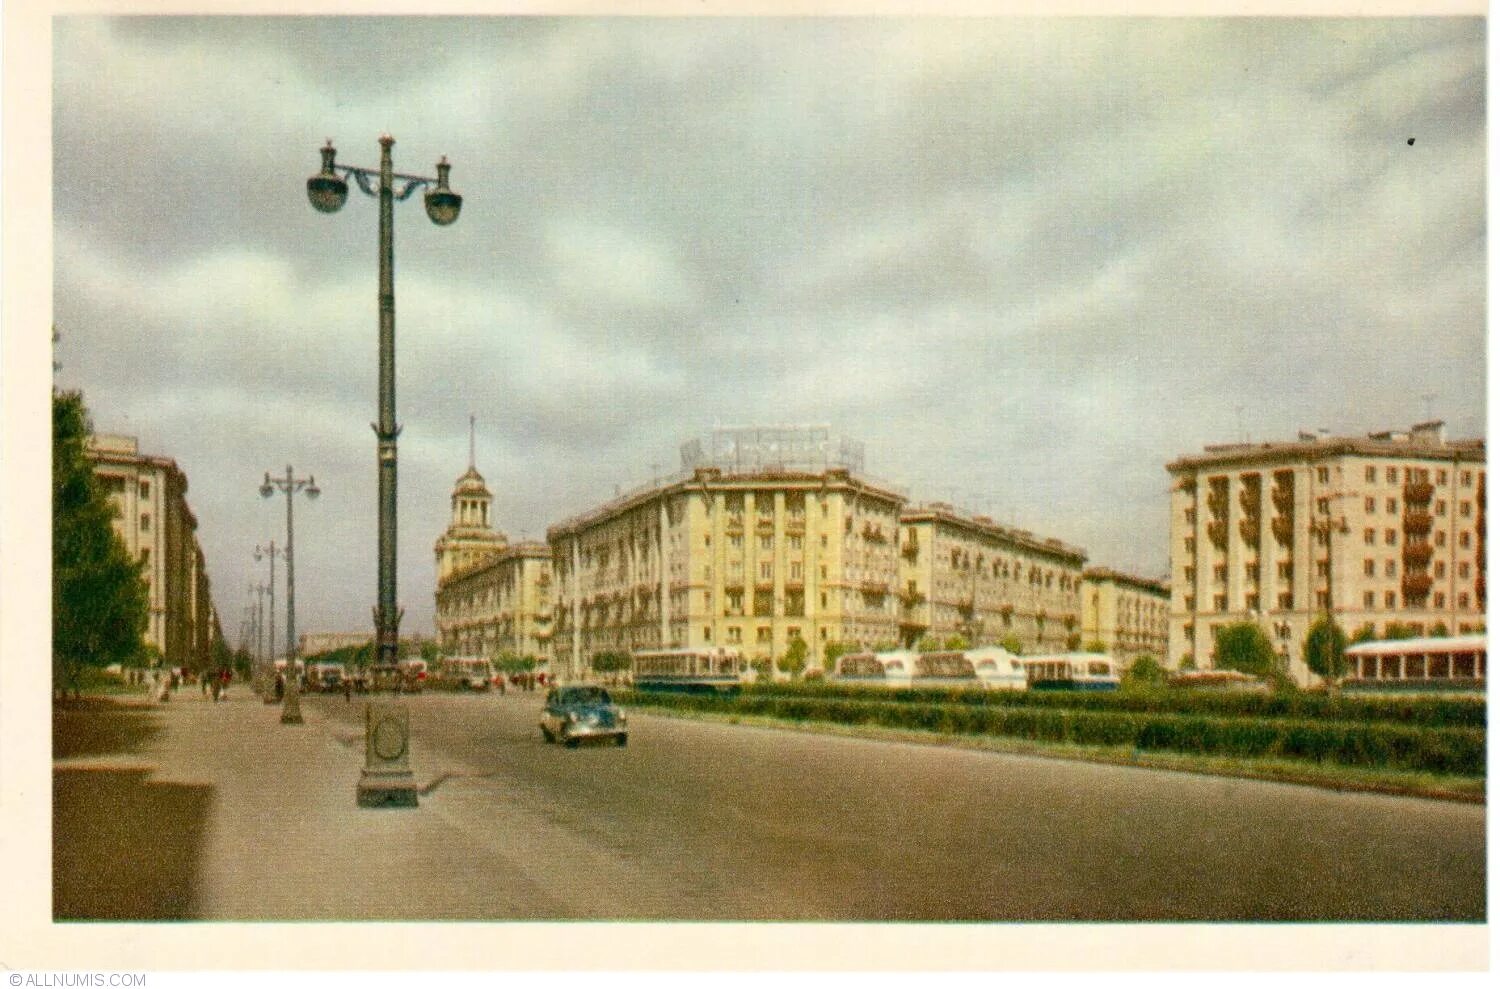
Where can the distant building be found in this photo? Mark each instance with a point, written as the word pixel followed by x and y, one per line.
pixel 1127 613
pixel 158 528
pixel 1384 528
pixel 969 576
pixel 492 596
pixel 313 643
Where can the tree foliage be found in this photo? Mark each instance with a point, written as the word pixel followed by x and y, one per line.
pixel 99 599
pixel 833 650
pixel 1244 646
pixel 1401 630
pixel 1012 644
pixel 956 642
pixel 1365 633
pixel 795 660
pixel 507 661
pixel 1323 649
pixel 1144 671
pixel 613 661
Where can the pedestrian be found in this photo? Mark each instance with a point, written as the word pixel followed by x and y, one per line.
pixel 280 686
pixel 215 689
pixel 348 689
pixel 203 684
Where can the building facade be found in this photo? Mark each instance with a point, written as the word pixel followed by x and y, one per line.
pixel 1384 528
pixel 158 528
pixel 493 597
pixel 967 576
pixel 1127 613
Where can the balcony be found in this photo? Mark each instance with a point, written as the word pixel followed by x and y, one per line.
pixel 1418 492
pixel 1250 501
pixel 1417 521
pixel 1281 528
pixel 909 551
pixel 1250 531
pixel 735 522
pixel 1218 533
pixel 1417 554
pixel 874 588
pixel 1283 497
pixel 874 533
pixel 912 599
pixel 1218 501
pixel 1416 585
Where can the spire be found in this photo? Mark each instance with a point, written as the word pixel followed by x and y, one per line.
pixel 471 441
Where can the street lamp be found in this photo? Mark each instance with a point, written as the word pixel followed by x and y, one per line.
pixel 270 553
pixel 387 779
pixel 291 711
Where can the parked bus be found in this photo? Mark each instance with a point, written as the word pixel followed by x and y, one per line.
pixel 1455 663
pixel 885 669
pixel 998 669
pixel 690 670
pixel 946 669
pixel 1072 671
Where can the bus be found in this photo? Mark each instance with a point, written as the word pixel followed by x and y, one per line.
pixel 1072 671
pixel 466 672
pixel 707 670
pixel 1452 663
pixel 998 669
pixel 946 669
pixel 884 669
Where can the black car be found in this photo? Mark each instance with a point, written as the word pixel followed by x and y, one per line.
pixel 572 714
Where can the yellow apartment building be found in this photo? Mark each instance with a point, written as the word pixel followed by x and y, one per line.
pixel 1374 529
pixel 1127 613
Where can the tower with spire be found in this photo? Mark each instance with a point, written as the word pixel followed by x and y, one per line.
pixel 469 539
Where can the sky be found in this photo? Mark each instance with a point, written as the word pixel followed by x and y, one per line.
pixel 1026 263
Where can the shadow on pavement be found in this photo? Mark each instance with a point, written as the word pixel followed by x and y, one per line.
pixel 124 848
pixel 100 726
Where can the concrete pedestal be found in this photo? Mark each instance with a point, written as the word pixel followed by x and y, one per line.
pixel 387 780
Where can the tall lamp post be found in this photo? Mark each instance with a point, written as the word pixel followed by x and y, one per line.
pixel 387 778
pixel 270 553
pixel 291 711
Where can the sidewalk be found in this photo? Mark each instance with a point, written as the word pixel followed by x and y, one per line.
pixel 217 811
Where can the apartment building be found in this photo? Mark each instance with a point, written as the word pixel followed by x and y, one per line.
pixel 492 596
pixel 1129 614
pixel 967 575
pixel 157 527
pixel 1388 527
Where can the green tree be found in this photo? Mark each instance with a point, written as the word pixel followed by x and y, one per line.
pixel 1144 672
pixel 1438 631
pixel 610 662
pixel 795 660
pixel 833 650
pixel 928 643
pixel 99 599
pixel 1074 639
pixel 1097 645
pixel 1365 633
pixel 430 651
pixel 1401 630
pixel 956 642
pixel 1244 646
pixel 507 661
pixel 1012 644
pixel 1323 650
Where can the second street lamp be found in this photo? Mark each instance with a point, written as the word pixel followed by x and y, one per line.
pixel 291 712
pixel 387 778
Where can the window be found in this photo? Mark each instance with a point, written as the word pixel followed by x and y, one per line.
pixel 1322 568
pixel 734 634
pixel 1463 600
pixel 1390 506
pixel 1390 537
pixel 1190 544
pixel 1442 477
pixel 145 489
pixel 1369 599
pixel 707 633
pixel 1191 516
pixel 1284 600
pixel 765 571
pixel 795 542
pixel 1441 508
pixel 1467 479
pixel 1221 572
pixel 1440 569
pixel 1440 538
pixel 796 571
pixel 1322 506
pixel 1369 506
pixel 146 556
pixel 1322 599
pixel 763 633
pixel 1252 602
pixel 736 542
pixel 1284 569
pixel 1369 475
pixel 1369 568
pixel 1463 571
pixel 1464 509
pixel 145 521
pixel 1463 540
pixel 1189 574
pixel 824 538
pixel 1221 602
pixel 1252 571
pixel 1390 475
pixel 1369 537
pixel 1322 475
pixel 1438 600
pixel 1390 568
pixel 1390 599
pixel 765 542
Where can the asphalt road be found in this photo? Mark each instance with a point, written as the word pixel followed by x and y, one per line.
pixel 697 820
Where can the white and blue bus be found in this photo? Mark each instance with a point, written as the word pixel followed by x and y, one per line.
pixel 998 669
pixel 1072 671
pixel 707 670
pixel 875 669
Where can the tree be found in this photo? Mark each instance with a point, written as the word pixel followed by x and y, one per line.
pixel 1365 633
pixel 99 598
pixel 1073 642
pixel 1012 644
pixel 1401 630
pixel 833 650
pixel 1098 645
pixel 1323 650
pixel 956 642
pixel 430 651
pixel 610 662
pixel 1244 646
pixel 1438 631
pixel 928 643
pixel 507 661
pixel 795 660
pixel 1144 671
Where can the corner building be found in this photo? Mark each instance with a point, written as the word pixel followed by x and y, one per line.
pixel 750 558
pixel 158 528
pixel 1384 528
pixel 1127 613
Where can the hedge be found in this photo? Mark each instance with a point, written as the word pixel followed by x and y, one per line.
pixel 1393 746
pixel 1426 712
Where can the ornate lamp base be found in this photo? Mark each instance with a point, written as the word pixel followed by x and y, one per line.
pixel 387 780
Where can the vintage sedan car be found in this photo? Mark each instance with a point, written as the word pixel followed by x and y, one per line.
pixel 573 714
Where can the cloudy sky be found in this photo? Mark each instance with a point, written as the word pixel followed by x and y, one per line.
pixel 1027 263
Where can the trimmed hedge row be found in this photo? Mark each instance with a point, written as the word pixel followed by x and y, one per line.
pixel 1440 750
pixel 1426 712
